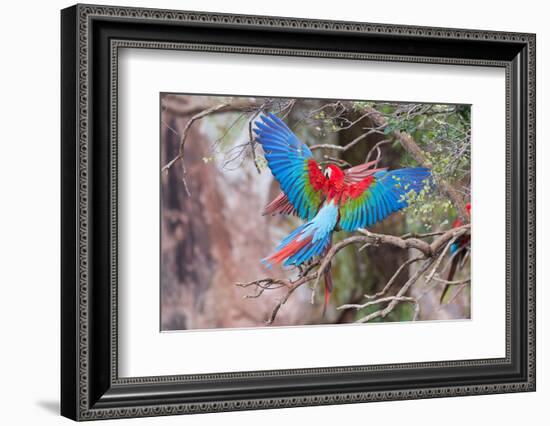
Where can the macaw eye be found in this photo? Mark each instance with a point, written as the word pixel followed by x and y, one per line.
pixel 327 173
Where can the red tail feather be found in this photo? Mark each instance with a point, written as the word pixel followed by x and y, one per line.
pixel 290 249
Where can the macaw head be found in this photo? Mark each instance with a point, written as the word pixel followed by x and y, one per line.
pixel 334 174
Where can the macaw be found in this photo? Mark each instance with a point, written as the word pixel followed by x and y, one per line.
pixel 458 251
pixel 327 199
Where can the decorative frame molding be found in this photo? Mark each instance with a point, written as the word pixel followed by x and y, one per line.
pixel 91 37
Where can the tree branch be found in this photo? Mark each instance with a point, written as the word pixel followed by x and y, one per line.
pixel 408 143
pixel 198 116
pixel 273 284
pixel 394 277
pixel 380 313
pixel 349 145
pixel 432 253
pixel 447 282
pixel 176 107
pixel 428 251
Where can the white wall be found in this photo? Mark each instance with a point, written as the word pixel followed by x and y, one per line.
pixel 29 210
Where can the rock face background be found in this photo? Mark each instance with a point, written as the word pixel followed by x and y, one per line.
pixel 215 237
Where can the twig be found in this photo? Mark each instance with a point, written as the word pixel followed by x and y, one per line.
pixel 174 131
pixel 344 148
pixel 262 285
pixel 437 248
pixel 274 284
pixel 391 306
pixel 252 142
pixel 378 150
pixel 378 301
pixel 287 108
pixel 440 259
pixel 175 107
pixel 394 277
pixel 447 282
pixel 354 122
pixel 428 252
pixel 453 298
pixel 427 235
pixel 183 138
pixel 368 237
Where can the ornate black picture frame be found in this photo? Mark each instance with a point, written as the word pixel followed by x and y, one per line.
pixel 91 36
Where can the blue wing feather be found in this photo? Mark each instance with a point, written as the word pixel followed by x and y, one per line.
pixel 386 195
pixel 288 158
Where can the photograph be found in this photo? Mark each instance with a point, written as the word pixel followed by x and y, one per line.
pixel 265 208
pixel 280 212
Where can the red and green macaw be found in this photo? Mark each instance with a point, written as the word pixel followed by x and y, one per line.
pixel 458 250
pixel 327 199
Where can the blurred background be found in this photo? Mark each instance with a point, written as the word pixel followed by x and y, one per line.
pixel 213 234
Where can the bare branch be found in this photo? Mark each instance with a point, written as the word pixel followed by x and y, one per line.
pixel 392 299
pixel 447 282
pixel 394 277
pixel 273 284
pixel 184 132
pixel 437 248
pixel 354 122
pixel 252 142
pixel 369 238
pixel 427 235
pixel 440 259
pixel 175 106
pixel 428 251
pixel 400 294
pixel 376 148
pixel 344 148
pixel 460 288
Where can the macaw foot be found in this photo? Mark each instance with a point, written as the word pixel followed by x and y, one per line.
pixel 366 232
pixel 305 267
pixel 374 239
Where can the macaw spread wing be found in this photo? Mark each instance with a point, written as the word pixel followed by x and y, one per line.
pixel 292 164
pixel 379 195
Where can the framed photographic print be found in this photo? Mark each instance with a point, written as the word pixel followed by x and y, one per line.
pixel 263 212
